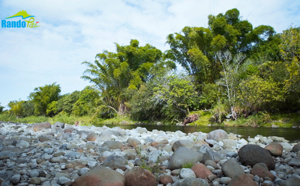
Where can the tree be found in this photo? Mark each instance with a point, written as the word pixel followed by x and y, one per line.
pixel 195 48
pixel 230 76
pixel 1 108
pixel 21 108
pixel 88 101
pixel 43 96
pixel 118 74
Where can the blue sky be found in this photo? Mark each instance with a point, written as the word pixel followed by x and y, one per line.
pixel 73 31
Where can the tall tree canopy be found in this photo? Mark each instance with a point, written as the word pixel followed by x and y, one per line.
pixel 195 48
pixel 119 74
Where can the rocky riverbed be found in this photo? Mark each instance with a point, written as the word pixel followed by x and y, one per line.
pixel 62 154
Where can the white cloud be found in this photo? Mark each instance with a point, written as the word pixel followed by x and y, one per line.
pixel 74 31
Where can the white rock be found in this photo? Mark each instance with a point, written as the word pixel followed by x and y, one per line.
pixel 187 173
pixel 225 180
pixel 23 144
pixel 15 179
pixel 63 180
pixel 34 173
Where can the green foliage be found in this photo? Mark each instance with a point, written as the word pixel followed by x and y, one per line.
pixel 256 92
pixel 219 111
pixel 1 108
pixel 21 108
pixel 43 96
pixel 118 74
pixel 187 165
pixel 88 100
pixel 67 101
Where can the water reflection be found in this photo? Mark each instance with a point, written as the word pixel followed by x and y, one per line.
pixel 287 133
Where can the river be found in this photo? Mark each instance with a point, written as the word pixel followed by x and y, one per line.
pixel 291 134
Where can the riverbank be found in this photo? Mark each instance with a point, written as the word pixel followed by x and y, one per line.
pixel 287 120
pixel 62 154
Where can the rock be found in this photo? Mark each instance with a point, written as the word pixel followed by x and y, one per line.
pixel 158 156
pixel 35 180
pixel 182 156
pixel 261 170
pixel 294 162
pixel 58 125
pixel 211 163
pixel 6 154
pixel 293 180
pixel 133 142
pixel 165 179
pixel 92 136
pixel 229 144
pixel 253 154
pixel 217 135
pixel 15 179
pixel 182 143
pixel 22 144
pixel 187 173
pixel 109 135
pixel 83 171
pixel 115 162
pixel 41 126
pixel 193 182
pixel 190 119
pixel 112 144
pixel 201 171
pixel 139 177
pixel 296 147
pixel 63 180
pixel 43 138
pixel 275 149
pixel 225 180
pixel 34 173
pixel 100 176
pixel 242 179
pixel 232 168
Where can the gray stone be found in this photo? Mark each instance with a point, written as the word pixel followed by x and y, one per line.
pixel 232 168
pixel 296 148
pixel 63 180
pixel 253 154
pixel 193 182
pixel 6 154
pixel 23 144
pixel 187 173
pixel 182 143
pixel 217 135
pixel 34 173
pixel 211 163
pixel 182 156
pixel 225 180
pixel 293 180
pixel 294 162
pixel 35 180
pixel 83 171
pixel 115 162
pixel 15 179
pixel 113 144
pixel 108 135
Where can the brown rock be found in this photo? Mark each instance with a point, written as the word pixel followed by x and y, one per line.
pixel 261 170
pixel 242 179
pixel 165 179
pixel 92 137
pixel 275 149
pixel 40 126
pixel 68 130
pixel 100 176
pixel 133 142
pixel 43 138
pixel 201 171
pixel 139 177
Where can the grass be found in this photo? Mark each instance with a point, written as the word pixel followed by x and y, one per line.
pixel 205 118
